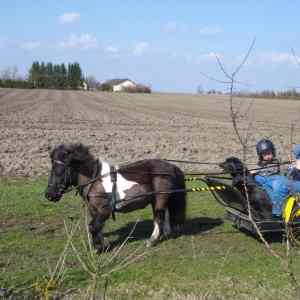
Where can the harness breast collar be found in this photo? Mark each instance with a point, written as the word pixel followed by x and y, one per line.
pixel 113 178
pixel 112 199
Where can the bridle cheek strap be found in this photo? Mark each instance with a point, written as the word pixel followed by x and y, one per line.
pixel 67 179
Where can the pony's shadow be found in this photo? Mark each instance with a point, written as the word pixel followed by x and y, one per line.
pixel 143 229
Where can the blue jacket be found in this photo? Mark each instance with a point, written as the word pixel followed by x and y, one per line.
pixel 278 188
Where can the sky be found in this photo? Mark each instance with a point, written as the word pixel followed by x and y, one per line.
pixel 171 46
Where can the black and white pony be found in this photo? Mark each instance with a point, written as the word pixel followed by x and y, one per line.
pixel 106 189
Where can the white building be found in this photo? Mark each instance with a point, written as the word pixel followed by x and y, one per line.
pixel 119 85
pixel 84 86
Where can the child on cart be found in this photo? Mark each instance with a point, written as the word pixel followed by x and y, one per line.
pixel 294 170
pixel 268 176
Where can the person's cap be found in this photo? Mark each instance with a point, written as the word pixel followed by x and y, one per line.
pixel 297 151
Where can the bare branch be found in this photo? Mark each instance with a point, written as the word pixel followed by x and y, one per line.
pixel 223 69
pixel 295 57
pixel 223 81
pixel 245 58
pixel 214 79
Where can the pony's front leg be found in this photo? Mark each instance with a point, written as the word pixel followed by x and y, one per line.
pixel 95 228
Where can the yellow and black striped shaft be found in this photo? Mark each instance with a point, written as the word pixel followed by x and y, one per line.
pixel 193 179
pixel 194 189
pixel 209 188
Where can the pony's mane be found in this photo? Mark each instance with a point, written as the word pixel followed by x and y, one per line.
pixel 75 151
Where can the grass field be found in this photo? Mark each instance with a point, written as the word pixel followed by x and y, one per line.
pixel 211 260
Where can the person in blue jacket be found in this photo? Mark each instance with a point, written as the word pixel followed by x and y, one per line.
pixel 268 176
pixel 294 170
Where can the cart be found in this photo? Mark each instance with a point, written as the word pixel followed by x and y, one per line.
pixel 231 199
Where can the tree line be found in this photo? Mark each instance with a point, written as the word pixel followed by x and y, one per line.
pixel 9 78
pixel 285 94
pixel 45 75
pixel 56 76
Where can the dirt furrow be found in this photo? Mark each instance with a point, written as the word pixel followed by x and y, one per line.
pixel 126 127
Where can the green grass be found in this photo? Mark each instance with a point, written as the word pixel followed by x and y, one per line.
pixel 211 258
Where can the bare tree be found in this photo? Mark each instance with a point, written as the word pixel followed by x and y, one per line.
pixel 10 73
pixel 243 134
pixel 92 82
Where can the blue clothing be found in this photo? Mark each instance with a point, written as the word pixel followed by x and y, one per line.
pixel 293 173
pixel 297 151
pixel 278 188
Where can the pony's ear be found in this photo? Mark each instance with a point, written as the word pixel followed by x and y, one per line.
pixel 50 149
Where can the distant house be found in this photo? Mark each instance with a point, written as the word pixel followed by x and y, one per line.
pixel 119 85
pixel 85 86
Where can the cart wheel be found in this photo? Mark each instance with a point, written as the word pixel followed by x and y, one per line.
pixel 294 225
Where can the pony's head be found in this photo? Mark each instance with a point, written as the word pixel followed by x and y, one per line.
pixel 66 161
pixel 234 166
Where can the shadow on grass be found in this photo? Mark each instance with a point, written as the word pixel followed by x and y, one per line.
pixel 144 229
pixel 270 237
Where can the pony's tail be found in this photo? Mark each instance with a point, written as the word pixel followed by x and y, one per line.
pixel 177 203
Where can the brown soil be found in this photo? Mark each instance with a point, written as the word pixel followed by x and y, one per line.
pixel 128 127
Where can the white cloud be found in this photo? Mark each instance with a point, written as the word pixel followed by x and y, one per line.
pixel 265 58
pixel 30 45
pixel 280 57
pixel 111 50
pixel 83 41
pixel 211 56
pixel 140 48
pixel 210 30
pixel 69 18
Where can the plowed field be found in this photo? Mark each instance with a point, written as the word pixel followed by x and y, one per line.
pixel 127 127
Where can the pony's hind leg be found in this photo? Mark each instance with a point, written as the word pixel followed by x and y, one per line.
pixel 167 226
pixel 158 228
pixel 161 220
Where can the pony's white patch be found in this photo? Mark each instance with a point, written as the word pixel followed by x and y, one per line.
pixel 122 183
pixel 156 232
pixel 167 225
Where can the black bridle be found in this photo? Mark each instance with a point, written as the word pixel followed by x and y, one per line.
pixel 67 182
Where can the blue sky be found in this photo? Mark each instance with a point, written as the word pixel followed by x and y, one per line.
pixel 165 44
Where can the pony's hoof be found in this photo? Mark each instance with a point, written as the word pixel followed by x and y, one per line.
pixel 154 242
pixel 167 235
pixel 103 247
pixel 177 229
pixel 106 243
pixel 151 243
